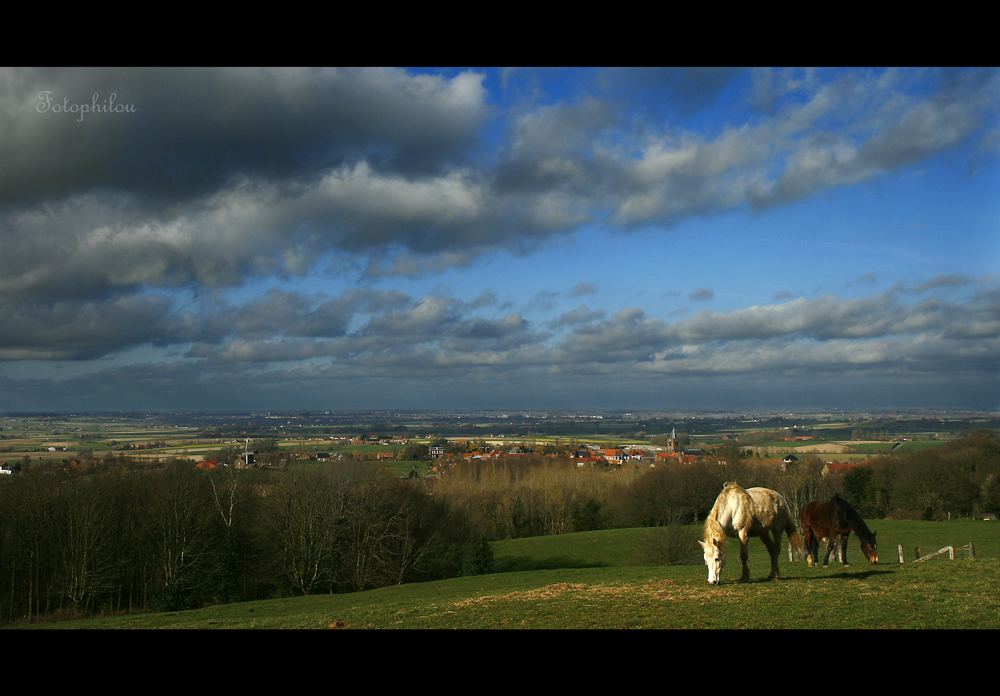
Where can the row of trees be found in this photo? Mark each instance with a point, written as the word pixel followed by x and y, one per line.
pixel 131 537
pixel 519 497
pixel 958 479
pixel 530 496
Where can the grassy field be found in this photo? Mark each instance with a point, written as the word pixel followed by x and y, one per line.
pixel 593 580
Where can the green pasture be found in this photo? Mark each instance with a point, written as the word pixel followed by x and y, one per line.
pixel 623 547
pixel 592 581
pixel 912 446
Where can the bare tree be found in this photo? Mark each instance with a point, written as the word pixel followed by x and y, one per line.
pixel 302 516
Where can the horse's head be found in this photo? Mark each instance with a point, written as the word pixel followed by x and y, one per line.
pixel 715 559
pixel 870 549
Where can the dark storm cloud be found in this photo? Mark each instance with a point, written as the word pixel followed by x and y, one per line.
pixel 189 131
pixel 219 174
pixel 74 330
pixel 297 315
pixel 549 147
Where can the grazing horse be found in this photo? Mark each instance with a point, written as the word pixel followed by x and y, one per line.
pixel 743 513
pixel 827 520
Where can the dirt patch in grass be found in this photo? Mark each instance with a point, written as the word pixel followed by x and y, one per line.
pixel 663 590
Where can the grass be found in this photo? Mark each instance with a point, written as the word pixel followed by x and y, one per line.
pixel 958 594
pixel 591 580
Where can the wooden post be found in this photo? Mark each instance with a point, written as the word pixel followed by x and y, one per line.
pixel 916 552
pixel 951 553
pixel 901 554
pixel 972 551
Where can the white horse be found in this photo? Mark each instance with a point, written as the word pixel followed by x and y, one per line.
pixel 743 513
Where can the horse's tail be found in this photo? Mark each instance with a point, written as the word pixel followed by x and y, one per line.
pixel 794 538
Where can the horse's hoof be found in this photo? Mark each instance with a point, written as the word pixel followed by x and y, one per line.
pixel 826 566
pixel 847 565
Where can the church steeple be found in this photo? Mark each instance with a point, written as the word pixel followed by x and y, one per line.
pixel 673 444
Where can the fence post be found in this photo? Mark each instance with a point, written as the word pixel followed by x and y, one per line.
pixel 951 553
pixel 916 552
pixel 972 551
pixel 901 554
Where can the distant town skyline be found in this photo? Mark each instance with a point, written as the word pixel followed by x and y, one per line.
pixel 600 239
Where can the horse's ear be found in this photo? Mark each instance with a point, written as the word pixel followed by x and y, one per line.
pixel 703 544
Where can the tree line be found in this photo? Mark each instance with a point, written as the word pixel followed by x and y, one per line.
pixel 129 537
pixel 528 496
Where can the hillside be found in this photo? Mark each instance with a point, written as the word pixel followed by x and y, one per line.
pixel 587 581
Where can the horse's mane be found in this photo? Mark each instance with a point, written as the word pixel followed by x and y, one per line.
pixel 851 516
pixel 714 530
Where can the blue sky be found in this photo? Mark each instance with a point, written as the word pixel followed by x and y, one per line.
pixel 512 238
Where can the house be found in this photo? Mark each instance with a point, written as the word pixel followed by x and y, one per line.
pixel 245 461
pixel 840 467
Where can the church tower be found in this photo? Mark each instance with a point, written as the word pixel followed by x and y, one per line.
pixel 673 444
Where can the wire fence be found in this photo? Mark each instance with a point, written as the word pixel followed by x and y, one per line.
pixel 920 554
pixel 924 553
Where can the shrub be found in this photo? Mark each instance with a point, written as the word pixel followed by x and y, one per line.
pixel 667 545
pixel 477 557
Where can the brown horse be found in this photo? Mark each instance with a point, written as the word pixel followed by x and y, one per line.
pixel 743 513
pixel 827 520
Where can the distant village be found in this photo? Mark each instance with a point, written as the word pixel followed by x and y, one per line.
pixel 446 453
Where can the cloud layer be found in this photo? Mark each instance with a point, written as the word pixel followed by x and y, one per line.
pixel 133 202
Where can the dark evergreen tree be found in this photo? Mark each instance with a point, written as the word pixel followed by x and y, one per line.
pixel 477 557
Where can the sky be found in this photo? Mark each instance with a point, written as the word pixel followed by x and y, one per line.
pixel 572 239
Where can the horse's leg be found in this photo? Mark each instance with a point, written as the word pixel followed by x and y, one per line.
pixel 843 548
pixel 808 538
pixel 773 548
pixel 829 548
pixel 745 577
